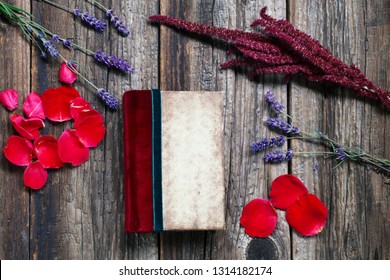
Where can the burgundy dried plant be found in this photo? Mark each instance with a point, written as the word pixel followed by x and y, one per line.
pixel 281 48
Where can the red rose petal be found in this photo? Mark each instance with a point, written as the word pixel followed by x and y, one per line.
pixel 9 99
pixel 35 176
pixel 18 150
pixel 28 128
pixel 66 75
pixel 90 128
pixel 70 149
pixel 56 103
pixel 33 107
pixel 307 215
pixel 285 190
pixel 78 105
pixel 259 218
pixel 46 149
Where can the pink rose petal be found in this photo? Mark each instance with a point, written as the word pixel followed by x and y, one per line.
pixel 90 128
pixel 33 106
pixel 66 75
pixel 18 150
pixel 259 218
pixel 35 176
pixel 9 99
pixel 285 190
pixel 70 149
pixel 46 149
pixel 307 215
pixel 28 128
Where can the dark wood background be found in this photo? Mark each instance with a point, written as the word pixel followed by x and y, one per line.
pixel 79 213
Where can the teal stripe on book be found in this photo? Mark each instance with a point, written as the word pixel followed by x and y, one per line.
pixel 156 152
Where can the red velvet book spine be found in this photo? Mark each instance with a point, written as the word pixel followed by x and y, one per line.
pixel 138 186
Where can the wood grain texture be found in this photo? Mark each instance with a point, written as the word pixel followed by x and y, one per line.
pixel 15 198
pixel 356 197
pixel 79 213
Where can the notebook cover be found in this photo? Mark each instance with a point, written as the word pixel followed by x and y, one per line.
pixel 173 161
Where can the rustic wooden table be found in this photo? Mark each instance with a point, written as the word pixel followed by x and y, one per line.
pixel 79 213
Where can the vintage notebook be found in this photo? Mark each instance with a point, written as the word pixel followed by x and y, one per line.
pixel 173 160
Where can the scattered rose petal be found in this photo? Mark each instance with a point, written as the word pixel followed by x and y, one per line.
pixel 285 190
pixel 66 75
pixel 259 218
pixel 307 215
pixel 35 176
pixel 33 107
pixel 70 149
pixel 46 149
pixel 90 128
pixel 28 128
pixel 9 99
pixel 18 150
pixel 78 105
pixel 56 103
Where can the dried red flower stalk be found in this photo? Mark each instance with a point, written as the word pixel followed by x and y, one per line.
pixel 283 49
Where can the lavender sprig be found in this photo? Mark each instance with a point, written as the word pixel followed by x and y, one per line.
pixel 282 126
pixel 340 152
pixel 278 156
pixel 90 20
pixel 118 24
pixel 108 99
pixel 270 98
pixel 113 61
pixel 50 49
pixel 268 143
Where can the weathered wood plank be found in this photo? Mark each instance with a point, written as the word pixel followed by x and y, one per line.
pixel 376 129
pixel 14 197
pixel 142 50
pixel 180 69
pixel 191 63
pixel 79 213
pixel 246 175
pixel 355 228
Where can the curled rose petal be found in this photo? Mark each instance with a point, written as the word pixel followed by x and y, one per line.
pixel 35 176
pixel 66 75
pixel 70 149
pixel 18 150
pixel 307 215
pixel 90 128
pixel 78 105
pixel 46 149
pixel 9 99
pixel 56 103
pixel 285 190
pixel 28 128
pixel 33 107
pixel 259 218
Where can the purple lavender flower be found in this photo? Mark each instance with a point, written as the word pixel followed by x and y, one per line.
pixel 268 143
pixel 118 24
pixel 49 47
pixel 281 125
pixel 90 20
pixel 55 39
pixel 270 98
pixel 113 61
pixel 278 156
pixel 108 99
pixel 67 44
pixel 341 154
